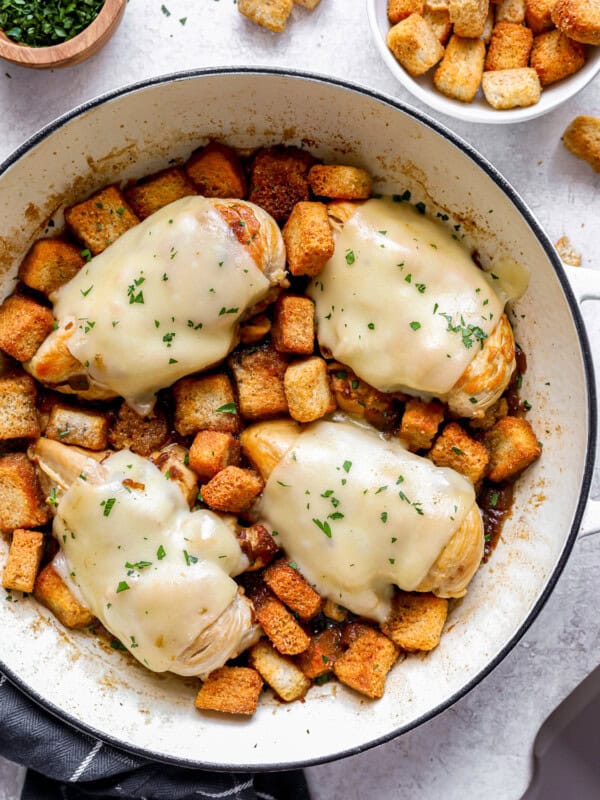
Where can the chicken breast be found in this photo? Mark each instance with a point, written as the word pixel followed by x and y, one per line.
pixel 158 577
pixel 403 304
pixel 169 295
pixel 359 514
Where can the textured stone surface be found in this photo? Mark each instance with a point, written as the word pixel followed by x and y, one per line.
pixel 482 746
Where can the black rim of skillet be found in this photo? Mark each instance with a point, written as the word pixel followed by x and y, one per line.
pixel 550 252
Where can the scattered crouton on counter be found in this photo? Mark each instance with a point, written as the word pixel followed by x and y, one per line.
pixel 582 138
pixel 272 14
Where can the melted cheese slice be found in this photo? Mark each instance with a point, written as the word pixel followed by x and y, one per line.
pixel 358 513
pixel 396 300
pixel 161 302
pixel 154 573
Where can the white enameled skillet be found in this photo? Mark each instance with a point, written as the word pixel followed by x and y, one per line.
pixel 140 129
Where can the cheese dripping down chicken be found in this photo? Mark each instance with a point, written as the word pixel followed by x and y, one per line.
pixel 161 302
pixel 403 304
pixel 156 575
pixel 360 514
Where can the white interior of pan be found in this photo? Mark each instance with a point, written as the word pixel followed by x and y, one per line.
pixel 137 133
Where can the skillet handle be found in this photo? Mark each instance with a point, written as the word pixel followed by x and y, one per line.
pixel 585 284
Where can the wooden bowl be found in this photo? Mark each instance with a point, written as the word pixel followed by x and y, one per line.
pixel 77 49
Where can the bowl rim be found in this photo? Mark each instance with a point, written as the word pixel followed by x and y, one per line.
pixel 467 111
pixel 585 351
pixel 53 55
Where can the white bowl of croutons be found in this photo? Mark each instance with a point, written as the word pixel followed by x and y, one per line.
pixel 501 61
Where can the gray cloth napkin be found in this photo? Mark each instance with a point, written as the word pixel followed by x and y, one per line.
pixel 65 764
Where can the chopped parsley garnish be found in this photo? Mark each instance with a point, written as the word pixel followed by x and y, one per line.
pixel 323 526
pixel 189 559
pixel 469 333
pixel 327 493
pixel 168 338
pixel 526 405
pixel 457 450
pixel 87 291
pixel 86 254
pixel 122 587
pixel 392 560
pixel 173 361
pixel 371 326
pixel 286 485
pixel 346 466
pixel 383 516
pixel 52 498
pixel 494 499
pixel 161 553
pixel 354 384
pixel 108 505
pixel 228 408
pixel 228 311
pixel 138 564
pixel 381 489
pixel 415 325
pixel 350 257
pixel 421 207
pixel 420 287
pixel 472 400
pixel 336 515
pixel 399 198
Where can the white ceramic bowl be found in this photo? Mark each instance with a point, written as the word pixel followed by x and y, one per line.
pixel 136 131
pixel 479 110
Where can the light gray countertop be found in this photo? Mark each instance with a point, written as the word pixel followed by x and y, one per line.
pixel 482 746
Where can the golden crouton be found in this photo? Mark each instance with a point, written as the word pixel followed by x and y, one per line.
pixel 172 461
pixel 258 545
pixel 282 675
pixel 307 390
pixel 259 379
pixel 156 191
pixel 216 171
pixel 51 591
pixel 232 690
pixel 578 19
pixel 568 254
pixel 416 620
pixel 310 5
pixel 414 44
pixel 510 47
pixel 459 74
pixel 24 324
pixel 308 238
pixel 509 88
pixel 49 264
pixel 21 501
pixel 205 403
pixel 554 56
pixel 294 325
pixel 510 11
pixel 513 446
pixel 439 22
pixel 279 180
pixel 420 423
pixel 537 15
pixel 468 17
pixel 365 664
pixel 322 652
pixel 270 14
pixel 340 182
pixel 334 611
pixel 401 9
pixel 141 435
pixel 212 451
pixel 255 329
pixel 232 489
pixel 582 138
pixel 24 558
pixel 437 5
pixel 101 219
pixel 456 449
pixel 356 397
pixel 18 414
pixel 278 623
pixel 283 578
pixel 78 426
